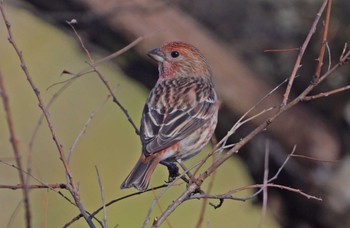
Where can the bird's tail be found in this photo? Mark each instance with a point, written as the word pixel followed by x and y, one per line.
pixel 140 176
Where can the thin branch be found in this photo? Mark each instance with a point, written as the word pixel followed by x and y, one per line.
pixel 34 186
pixel 268 181
pixel 83 130
pixel 105 82
pixel 48 186
pixel 265 181
pixel 76 218
pixel 51 101
pixel 238 124
pixel 69 82
pixel 183 197
pixel 301 53
pixel 115 100
pixel 15 145
pixel 98 62
pixel 38 180
pixel 161 209
pixel 282 50
pixel 155 201
pixel 228 195
pixel 314 159
pixel 324 42
pixel 326 94
pixel 265 124
pixel 343 52
pixel 42 185
pixel 72 188
pixel 283 165
pixel 344 59
pixel 329 56
pixel 102 198
pixel 14 213
pixel 70 23
pixel 210 187
pixel 82 72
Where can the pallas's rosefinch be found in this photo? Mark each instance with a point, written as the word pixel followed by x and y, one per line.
pixel 180 114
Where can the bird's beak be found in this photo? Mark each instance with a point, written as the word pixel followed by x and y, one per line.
pixel 157 55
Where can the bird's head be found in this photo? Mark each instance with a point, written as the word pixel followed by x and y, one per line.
pixel 179 59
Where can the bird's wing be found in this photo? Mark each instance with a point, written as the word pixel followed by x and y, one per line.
pixel 175 109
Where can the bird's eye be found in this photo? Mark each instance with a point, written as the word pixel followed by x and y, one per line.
pixel 174 54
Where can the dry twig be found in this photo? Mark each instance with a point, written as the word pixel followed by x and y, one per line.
pixel 83 130
pixel 14 143
pixel 301 54
pixel 72 185
pixel 93 65
pixel 102 198
pixel 265 181
pixel 76 218
pixel 324 42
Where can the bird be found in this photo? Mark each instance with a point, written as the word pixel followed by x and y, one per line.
pixel 180 114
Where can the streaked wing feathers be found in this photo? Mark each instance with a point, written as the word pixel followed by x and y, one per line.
pixel 182 110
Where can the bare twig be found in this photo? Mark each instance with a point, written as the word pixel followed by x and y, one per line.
pixel 14 213
pixel 105 82
pixel 183 197
pixel 326 94
pixel 301 54
pixel 98 62
pixel 345 48
pixel 268 181
pixel 210 187
pixel 329 56
pixel 69 82
pixel 70 23
pixel 115 100
pixel 76 218
pixel 83 130
pixel 161 209
pixel 324 42
pixel 34 186
pixel 228 195
pixel 282 50
pixel 39 181
pixel 283 165
pixel 314 159
pixel 265 181
pixel 102 198
pixel 82 72
pixel 15 146
pixel 72 186
pixel 222 143
pixel 155 201
pixel 51 101
pixel 42 185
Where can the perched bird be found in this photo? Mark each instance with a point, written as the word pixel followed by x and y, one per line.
pixel 180 114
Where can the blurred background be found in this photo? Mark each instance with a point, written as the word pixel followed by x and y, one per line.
pixel 233 36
